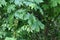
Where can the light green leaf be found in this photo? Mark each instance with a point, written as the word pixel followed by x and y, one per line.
pixel 38 1
pixel 18 2
pixel 26 16
pixel 10 8
pixel 8 38
pixel 41 25
pixel 20 14
pixel 3 2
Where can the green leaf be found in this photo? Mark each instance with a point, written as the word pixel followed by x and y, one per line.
pixel 10 20
pixel 8 38
pixel 58 1
pixel 38 1
pixel 34 23
pixel 10 8
pixel 26 16
pixel 20 14
pixel 54 3
pixel 3 2
pixel 18 2
pixel 11 1
pixel 41 25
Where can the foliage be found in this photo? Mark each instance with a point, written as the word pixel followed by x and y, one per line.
pixel 29 20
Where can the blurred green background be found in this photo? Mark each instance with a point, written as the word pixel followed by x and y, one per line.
pixel 29 19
